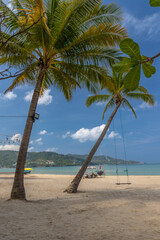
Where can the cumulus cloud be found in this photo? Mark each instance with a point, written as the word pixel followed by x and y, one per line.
pixel 30 149
pixel 53 149
pixel 14 143
pixel 37 141
pixel 44 100
pixel 66 134
pixel 10 147
pixel 146 105
pixel 84 134
pixel 16 137
pixel 114 134
pixel 8 96
pixel 100 103
pixel 149 25
pixel 42 132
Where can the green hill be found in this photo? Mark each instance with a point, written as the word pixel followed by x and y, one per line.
pixel 50 159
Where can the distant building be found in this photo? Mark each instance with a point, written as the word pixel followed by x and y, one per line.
pixel 49 163
pixel 14 164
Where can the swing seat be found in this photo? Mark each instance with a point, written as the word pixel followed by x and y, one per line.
pixel 123 183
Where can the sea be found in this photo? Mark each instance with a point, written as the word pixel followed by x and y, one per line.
pixel 110 170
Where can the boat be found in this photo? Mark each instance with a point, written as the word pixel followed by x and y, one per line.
pixel 27 170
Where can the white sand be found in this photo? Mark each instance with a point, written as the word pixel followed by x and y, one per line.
pixel 100 210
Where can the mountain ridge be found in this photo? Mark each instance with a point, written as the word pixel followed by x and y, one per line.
pixel 50 159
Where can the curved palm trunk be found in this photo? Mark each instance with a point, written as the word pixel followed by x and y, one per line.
pixel 18 191
pixel 75 183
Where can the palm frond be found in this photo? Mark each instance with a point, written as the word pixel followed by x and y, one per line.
pixel 125 103
pixel 105 13
pixel 87 75
pixel 63 82
pixel 96 56
pixel 68 17
pixel 148 98
pixel 97 98
pixel 110 104
pixel 142 89
pixel 26 76
pixel 104 35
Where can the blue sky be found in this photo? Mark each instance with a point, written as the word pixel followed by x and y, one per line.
pixel 71 127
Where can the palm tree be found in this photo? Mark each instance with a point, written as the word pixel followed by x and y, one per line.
pixel 65 49
pixel 117 96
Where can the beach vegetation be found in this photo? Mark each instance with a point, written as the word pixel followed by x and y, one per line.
pixel 70 46
pixel 117 96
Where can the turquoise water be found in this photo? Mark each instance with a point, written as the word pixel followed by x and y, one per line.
pixel 110 170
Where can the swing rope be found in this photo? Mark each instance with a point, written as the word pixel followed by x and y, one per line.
pixel 115 148
pixel 124 148
pixel 125 155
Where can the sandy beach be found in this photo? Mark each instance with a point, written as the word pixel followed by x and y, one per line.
pixel 100 210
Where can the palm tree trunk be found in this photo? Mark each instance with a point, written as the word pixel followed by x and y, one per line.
pixel 75 183
pixel 18 191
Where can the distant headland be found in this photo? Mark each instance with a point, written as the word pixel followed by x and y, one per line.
pixel 53 159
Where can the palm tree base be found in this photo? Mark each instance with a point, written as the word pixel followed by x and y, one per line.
pixel 18 193
pixel 71 189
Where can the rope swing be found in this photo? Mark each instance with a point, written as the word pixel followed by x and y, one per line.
pixel 125 155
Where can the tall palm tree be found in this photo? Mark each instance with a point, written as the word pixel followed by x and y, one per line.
pixel 118 96
pixel 64 49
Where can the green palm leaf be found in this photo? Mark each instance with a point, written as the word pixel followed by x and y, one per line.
pixel 110 104
pixel 96 99
pixel 106 13
pixel 125 103
pixel 148 98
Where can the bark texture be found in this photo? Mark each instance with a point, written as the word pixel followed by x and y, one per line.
pixel 72 188
pixel 18 190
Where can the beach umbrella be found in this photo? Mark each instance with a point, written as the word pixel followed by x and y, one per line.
pixel 91 167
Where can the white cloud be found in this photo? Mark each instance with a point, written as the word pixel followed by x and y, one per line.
pixel 84 134
pixel 44 100
pixel 145 105
pixel 10 147
pixel 149 25
pixel 100 103
pixel 30 149
pixel 8 96
pixel 67 134
pixel 16 137
pixel 28 96
pixel 38 140
pixel 114 135
pixel 53 149
pixel 42 132
pixel 51 133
